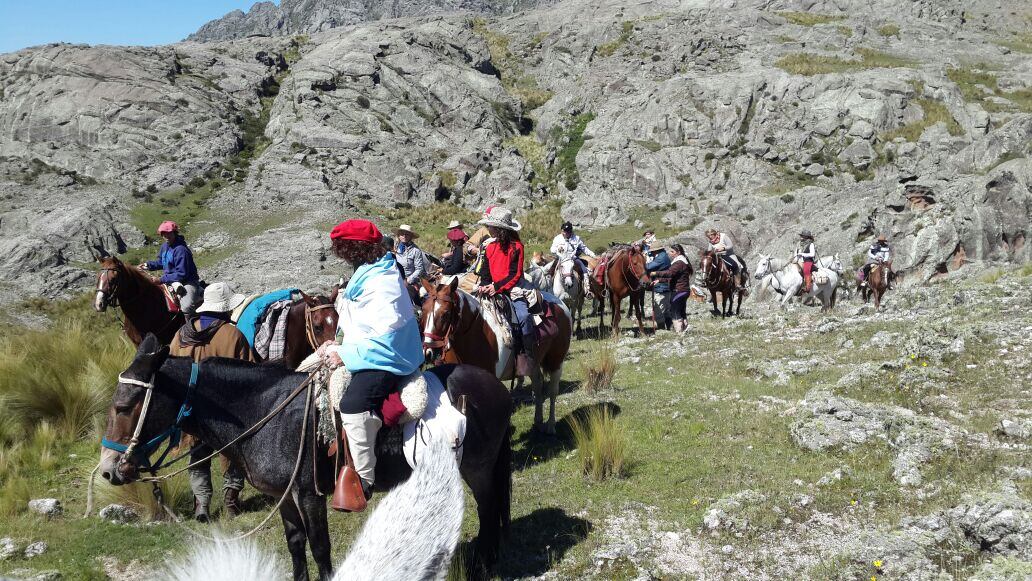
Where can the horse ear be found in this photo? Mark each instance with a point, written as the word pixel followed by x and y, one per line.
pixel 307 299
pixel 454 284
pixel 333 295
pixel 149 345
pixel 427 286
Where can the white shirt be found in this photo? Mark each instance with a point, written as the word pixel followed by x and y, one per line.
pixel 877 252
pixel 723 246
pixel 566 248
pixel 808 250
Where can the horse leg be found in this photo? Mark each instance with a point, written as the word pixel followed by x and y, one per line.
pixel 553 393
pixel 314 508
pixel 294 530
pixel 639 309
pixel 738 309
pixel 614 304
pixel 713 295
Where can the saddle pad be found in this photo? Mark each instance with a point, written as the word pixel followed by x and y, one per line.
pixel 247 324
pixel 171 300
pixel 235 315
pixel 440 420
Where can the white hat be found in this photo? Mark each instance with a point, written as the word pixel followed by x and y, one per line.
pixel 220 298
pixel 454 224
pixel 500 217
pixel 407 230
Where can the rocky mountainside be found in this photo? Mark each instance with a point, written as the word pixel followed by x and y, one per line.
pixel 851 118
pixel 309 16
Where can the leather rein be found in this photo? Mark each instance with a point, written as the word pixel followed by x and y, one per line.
pixel 310 323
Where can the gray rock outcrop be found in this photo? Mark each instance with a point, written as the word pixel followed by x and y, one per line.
pixel 48 507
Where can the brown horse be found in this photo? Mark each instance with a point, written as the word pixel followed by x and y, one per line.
pixel 456 330
pixel 718 279
pixel 625 275
pixel 310 321
pixel 141 298
pixel 877 284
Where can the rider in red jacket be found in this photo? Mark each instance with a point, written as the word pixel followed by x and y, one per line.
pixel 502 270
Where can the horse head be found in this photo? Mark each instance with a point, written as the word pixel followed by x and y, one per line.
pixel 707 270
pixel 836 264
pixel 636 264
pixel 762 266
pixel 109 278
pixel 439 317
pixel 321 318
pixel 138 414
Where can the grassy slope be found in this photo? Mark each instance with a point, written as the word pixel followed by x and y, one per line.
pixel 697 433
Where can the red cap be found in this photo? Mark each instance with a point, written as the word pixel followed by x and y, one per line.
pixel 456 234
pixel 362 230
pixel 168 226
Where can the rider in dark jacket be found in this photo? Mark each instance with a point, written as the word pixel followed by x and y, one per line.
pixel 661 298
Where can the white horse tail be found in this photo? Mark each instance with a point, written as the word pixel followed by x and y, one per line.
pixel 208 561
pixel 412 534
pixel 414 530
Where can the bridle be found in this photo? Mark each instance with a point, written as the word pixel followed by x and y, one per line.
pixel 310 323
pixel 441 340
pixel 110 296
pixel 173 434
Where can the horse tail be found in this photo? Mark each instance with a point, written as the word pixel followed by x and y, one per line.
pixel 214 561
pixel 414 530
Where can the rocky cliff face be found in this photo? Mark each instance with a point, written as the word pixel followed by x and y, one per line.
pixel 850 118
pixel 310 16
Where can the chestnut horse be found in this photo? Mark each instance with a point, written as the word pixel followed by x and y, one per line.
pixel 877 284
pixel 142 300
pixel 625 275
pixel 718 278
pixel 310 321
pixel 456 330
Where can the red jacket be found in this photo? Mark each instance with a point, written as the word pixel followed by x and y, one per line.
pixel 504 268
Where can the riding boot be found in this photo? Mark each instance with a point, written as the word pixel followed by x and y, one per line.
pixel 525 360
pixel 232 502
pixel 360 450
pixel 200 510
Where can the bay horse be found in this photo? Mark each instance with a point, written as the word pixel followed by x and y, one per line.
pixel 310 321
pixel 229 397
pixel 456 330
pixel 877 283
pixel 141 298
pixel 624 275
pixel 717 277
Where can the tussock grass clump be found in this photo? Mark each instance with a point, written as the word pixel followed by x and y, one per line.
pixel 810 64
pixel 602 443
pixel 609 49
pixel 1025 270
pixel 63 376
pixel 599 367
pixel 809 18
pixel 991 276
pixel 889 30
pixel 140 496
pixel 934 112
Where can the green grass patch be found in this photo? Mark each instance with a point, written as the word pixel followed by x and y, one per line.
pixel 977 85
pixel 601 443
pixel 809 18
pixel 609 49
pixel 566 159
pixel 889 30
pixel 515 80
pixel 810 64
pixel 430 221
pixel 934 112
pixel 844 30
pixel 1020 42
pixel 598 240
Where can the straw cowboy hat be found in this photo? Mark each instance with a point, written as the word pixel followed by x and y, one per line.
pixel 406 229
pixel 500 217
pixel 454 224
pixel 220 298
pixel 883 238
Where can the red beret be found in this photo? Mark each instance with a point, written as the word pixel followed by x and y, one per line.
pixel 456 234
pixel 362 230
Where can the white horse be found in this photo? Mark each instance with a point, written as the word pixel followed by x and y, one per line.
pixel 568 285
pixel 785 278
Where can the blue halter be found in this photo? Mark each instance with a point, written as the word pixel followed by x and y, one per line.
pixel 173 434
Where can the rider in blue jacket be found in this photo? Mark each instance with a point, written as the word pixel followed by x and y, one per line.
pixel 176 260
pixel 660 260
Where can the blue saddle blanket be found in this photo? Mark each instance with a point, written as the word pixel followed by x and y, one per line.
pixel 255 312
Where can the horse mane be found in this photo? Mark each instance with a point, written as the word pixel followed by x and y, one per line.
pixel 137 275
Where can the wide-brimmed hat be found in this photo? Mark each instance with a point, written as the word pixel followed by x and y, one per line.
pixel 454 224
pixel 500 217
pixel 806 234
pixel 883 238
pixel 407 230
pixel 220 298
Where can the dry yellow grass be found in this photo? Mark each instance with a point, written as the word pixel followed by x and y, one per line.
pixel 601 442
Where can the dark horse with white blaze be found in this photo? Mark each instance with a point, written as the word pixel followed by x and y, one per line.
pixel 717 278
pixel 231 396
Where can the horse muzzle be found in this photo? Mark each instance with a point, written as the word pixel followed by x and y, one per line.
pixel 115 471
pixel 99 303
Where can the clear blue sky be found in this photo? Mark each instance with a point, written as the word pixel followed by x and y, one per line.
pixel 138 22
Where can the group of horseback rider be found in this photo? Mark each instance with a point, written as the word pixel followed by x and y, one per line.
pixel 378 338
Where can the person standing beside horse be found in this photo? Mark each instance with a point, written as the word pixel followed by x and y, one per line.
pixel 501 271
pixel 806 254
pixel 660 261
pixel 176 260
pixel 679 277
pixel 380 342
pixel 211 334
